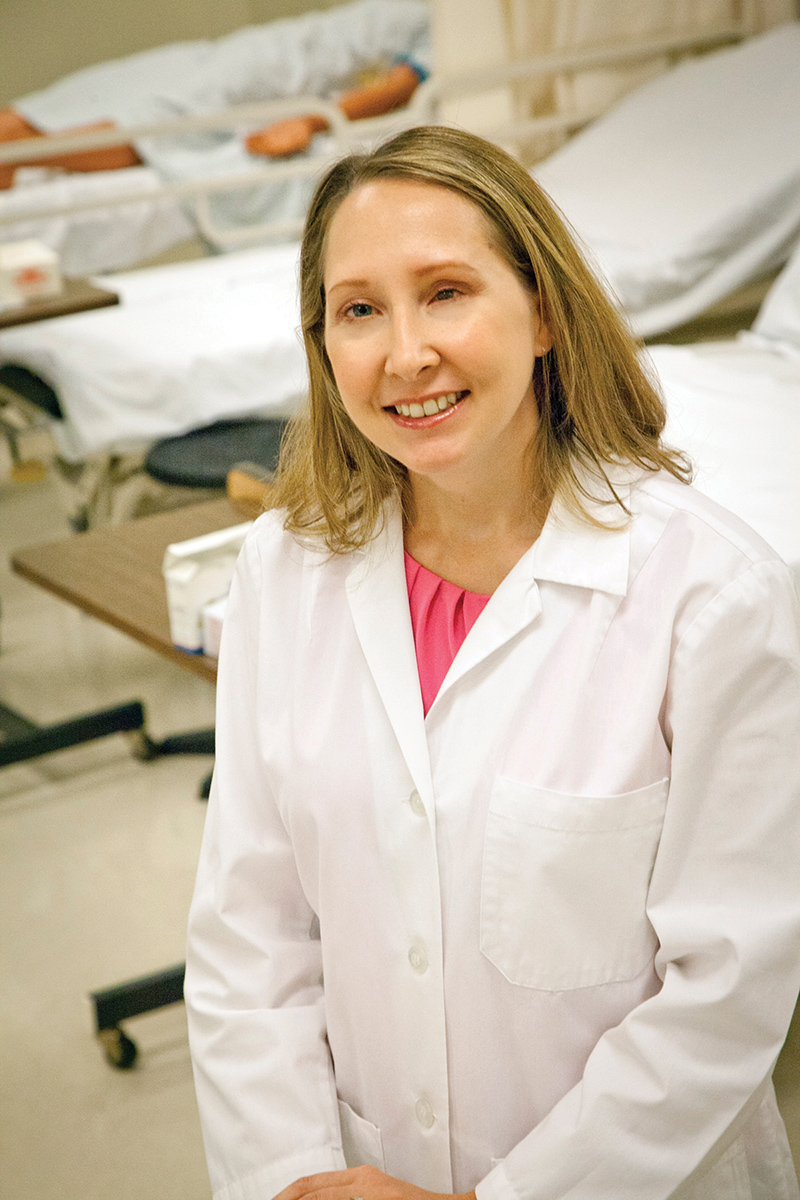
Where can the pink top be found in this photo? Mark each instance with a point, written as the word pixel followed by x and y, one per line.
pixel 442 615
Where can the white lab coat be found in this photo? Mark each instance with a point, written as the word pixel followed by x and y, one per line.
pixel 558 920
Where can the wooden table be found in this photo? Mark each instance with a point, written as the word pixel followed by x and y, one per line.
pixel 76 295
pixel 114 573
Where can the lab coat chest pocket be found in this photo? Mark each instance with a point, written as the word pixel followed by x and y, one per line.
pixel 564 884
pixel 361 1140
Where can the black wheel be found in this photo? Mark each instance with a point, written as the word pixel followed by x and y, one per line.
pixel 118 1048
pixel 144 748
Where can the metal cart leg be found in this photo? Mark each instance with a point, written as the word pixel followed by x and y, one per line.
pixel 21 739
pixel 130 1000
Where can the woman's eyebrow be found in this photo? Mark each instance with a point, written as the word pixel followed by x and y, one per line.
pixel 347 283
pixel 455 264
pixel 428 268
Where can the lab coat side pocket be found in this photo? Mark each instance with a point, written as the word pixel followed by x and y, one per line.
pixel 361 1140
pixel 564 884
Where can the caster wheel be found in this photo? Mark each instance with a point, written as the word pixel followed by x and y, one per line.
pixel 143 747
pixel 79 521
pixel 118 1048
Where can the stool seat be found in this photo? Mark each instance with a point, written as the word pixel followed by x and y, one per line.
pixel 203 457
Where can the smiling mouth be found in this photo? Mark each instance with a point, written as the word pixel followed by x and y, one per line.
pixel 428 408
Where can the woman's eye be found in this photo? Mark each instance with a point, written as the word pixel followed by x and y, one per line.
pixel 358 310
pixel 446 293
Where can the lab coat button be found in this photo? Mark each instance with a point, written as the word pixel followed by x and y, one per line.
pixel 415 800
pixel 418 959
pixel 424 1113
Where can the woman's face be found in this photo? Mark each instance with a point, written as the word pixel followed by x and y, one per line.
pixel 430 333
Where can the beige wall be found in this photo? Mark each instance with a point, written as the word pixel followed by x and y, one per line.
pixel 41 40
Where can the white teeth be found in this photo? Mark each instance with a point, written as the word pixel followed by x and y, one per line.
pixel 428 407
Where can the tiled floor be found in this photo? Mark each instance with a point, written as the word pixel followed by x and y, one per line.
pixel 97 857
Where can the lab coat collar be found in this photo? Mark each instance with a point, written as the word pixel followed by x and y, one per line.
pixel 569 550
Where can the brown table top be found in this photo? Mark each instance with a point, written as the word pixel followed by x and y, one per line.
pixel 114 573
pixel 77 295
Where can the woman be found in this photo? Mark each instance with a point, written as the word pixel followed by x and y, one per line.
pixel 499 888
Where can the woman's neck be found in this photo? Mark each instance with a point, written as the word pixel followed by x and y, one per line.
pixel 472 537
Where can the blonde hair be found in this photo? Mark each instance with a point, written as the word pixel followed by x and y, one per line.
pixel 597 406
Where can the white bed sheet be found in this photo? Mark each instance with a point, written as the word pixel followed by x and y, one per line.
pixel 690 187
pixel 189 344
pixel 98 239
pixel 735 408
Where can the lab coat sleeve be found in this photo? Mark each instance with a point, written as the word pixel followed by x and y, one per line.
pixel 254 992
pixel 666 1092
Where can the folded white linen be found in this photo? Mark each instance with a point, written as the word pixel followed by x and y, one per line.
pixel 734 407
pixel 690 186
pixel 190 343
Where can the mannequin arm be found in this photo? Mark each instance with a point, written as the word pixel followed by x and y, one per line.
pixel 391 90
pixel 13 128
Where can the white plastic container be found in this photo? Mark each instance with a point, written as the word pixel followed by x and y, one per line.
pixel 28 271
pixel 196 572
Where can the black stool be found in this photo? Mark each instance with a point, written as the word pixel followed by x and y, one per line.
pixel 203 457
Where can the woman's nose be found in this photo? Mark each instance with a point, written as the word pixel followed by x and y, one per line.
pixel 410 350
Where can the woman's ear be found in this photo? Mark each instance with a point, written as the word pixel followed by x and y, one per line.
pixel 543 339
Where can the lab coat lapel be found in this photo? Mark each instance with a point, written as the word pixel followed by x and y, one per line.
pixel 511 609
pixel 378 598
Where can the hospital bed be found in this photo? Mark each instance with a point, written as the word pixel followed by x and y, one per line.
pixel 185 109
pixel 734 407
pixel 688 187
pixel 193 343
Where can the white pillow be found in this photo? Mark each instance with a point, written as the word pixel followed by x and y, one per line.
pixel 779 316
pixel 690 186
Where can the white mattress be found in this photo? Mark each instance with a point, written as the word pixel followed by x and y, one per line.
pixel 189 344
pixel 100 239
pixel 690 187
pixel 735 408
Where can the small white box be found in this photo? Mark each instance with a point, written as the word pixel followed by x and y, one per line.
pixel 212 617
pixel 28 271
pixel 196 572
